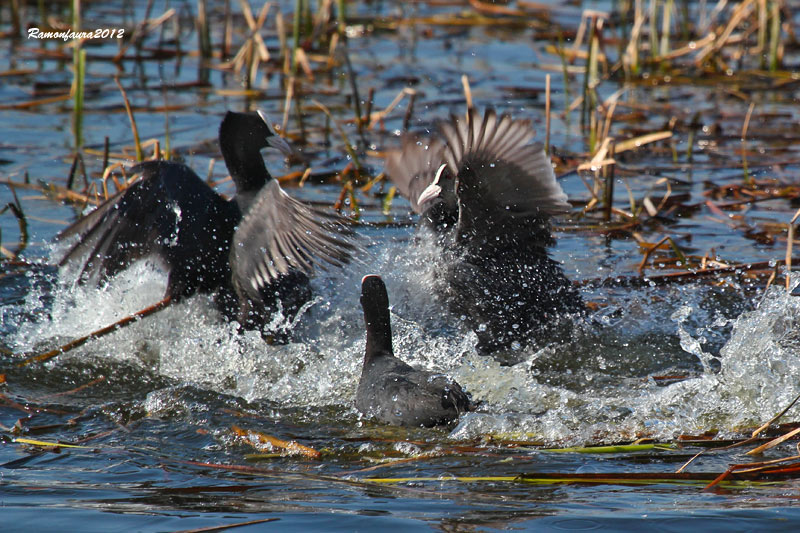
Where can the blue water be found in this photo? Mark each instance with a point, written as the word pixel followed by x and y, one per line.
pixel 159 397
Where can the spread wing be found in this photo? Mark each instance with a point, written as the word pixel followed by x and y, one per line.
pixel 169 212
pixel 280 234
pixel 413 167
pixel 494 157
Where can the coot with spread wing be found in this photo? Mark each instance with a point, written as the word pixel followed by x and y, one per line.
pixel 489 194
pixel 254 251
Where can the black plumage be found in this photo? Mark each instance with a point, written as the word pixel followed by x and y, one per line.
pixel 489 194
pixel 391 390
pixel 254 251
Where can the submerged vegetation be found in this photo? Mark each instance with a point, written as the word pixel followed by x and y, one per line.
pixel 672 125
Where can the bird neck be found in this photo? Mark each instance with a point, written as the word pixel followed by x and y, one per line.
pixel 379 334
pixel 247 169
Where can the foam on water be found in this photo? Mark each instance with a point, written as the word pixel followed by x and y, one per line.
pixel 579 392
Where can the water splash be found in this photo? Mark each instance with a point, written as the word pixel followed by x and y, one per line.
pixel 597 387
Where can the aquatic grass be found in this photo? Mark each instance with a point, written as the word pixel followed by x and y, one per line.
pixel 253 52
pixel 775 36
pixel 653 33
pixel 564 74
pixel 203 30
pixel 77 162
pixel 46 444
pixel 618 448
pixel 79 75
pixel 666 19
pixel 22 223
pixel 347 190
pixel 609 122
pixel 351 76
pixel 608 176
pixel 296 28
pixel 167 147
pixel 142 30
pixel 341 16
pixel 349 148
pixel 789 245
pixel 744 479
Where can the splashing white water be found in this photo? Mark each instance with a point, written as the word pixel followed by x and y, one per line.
pixel 192 343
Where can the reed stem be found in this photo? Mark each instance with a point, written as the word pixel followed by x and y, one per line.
pixel 79 66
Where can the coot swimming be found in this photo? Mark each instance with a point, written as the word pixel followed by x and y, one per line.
pixel 254 251
pixel 488 194
pixel 392 391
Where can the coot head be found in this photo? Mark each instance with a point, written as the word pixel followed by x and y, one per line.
pixel 241 137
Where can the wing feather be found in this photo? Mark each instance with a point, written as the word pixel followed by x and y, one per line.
pixel 413 167
pixel 280 234
pixel 515 177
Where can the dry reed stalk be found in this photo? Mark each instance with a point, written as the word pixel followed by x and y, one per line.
pixel 666 19
pixel 380 115
pixel 129 111
pixel 227 30
pixel 409 111
pixel 40 358
pixel 290 447
pixel 648 253
pixel 789 243
pixel 287 103
pixel 203 30
pixel 630 58
pixel 608 172
pixel 332 47
pixel 747 179
pixel 142 29
pixel 547 114
pixel 610 106
pixel 747 468
pixel 301 58
pixel 740 12
pixel 493 9
pixel 347 146
pixel 467 93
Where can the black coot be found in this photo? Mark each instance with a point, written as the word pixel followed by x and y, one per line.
pixel 254 251
pixel 391 390
pixel 489 195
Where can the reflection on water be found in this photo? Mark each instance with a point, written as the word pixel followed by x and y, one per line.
pixel 657 361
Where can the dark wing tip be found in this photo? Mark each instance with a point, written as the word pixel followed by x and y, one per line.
pixel 516 174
